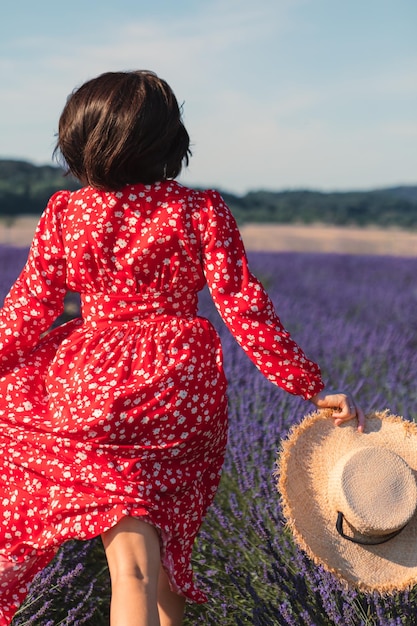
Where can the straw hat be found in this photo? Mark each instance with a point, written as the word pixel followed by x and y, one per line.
pixel 350 498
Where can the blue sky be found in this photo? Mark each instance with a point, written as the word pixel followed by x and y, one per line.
pixel 277 94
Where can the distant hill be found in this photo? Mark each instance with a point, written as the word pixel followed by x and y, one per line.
pixel 395 206
pixel 25 189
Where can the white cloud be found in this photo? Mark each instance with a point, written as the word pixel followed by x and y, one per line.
pixel 256 118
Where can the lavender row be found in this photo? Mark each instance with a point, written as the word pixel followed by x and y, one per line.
pixel 356 316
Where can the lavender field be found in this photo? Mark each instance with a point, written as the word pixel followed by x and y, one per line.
pixel 356 316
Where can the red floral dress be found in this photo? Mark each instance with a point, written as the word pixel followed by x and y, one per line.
pixel 124 411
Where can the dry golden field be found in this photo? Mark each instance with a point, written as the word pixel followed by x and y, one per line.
pixel 275 237
pixel 323 238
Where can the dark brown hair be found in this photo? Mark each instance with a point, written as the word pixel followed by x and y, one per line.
pixel 123 128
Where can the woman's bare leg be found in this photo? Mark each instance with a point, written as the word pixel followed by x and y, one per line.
pixel 133 555
pixel 171 605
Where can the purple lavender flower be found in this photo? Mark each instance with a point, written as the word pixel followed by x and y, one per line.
pixel 245 559
pixel 73 589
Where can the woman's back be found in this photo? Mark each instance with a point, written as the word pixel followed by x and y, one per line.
pixel 143 239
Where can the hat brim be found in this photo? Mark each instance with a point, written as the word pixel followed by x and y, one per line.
pixel 303 467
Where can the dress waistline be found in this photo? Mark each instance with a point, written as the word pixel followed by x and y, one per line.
pixel 104 307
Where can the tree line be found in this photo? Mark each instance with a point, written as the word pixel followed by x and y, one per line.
pixel 25 189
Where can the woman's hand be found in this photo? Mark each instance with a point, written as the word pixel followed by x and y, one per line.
pixel 343 404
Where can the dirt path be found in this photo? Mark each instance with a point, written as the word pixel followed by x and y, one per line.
pixel 275 237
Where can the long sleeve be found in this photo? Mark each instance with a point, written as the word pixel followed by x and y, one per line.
pixel 246 308
pixel 37 297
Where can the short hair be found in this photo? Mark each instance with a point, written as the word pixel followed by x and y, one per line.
pixel 123 128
